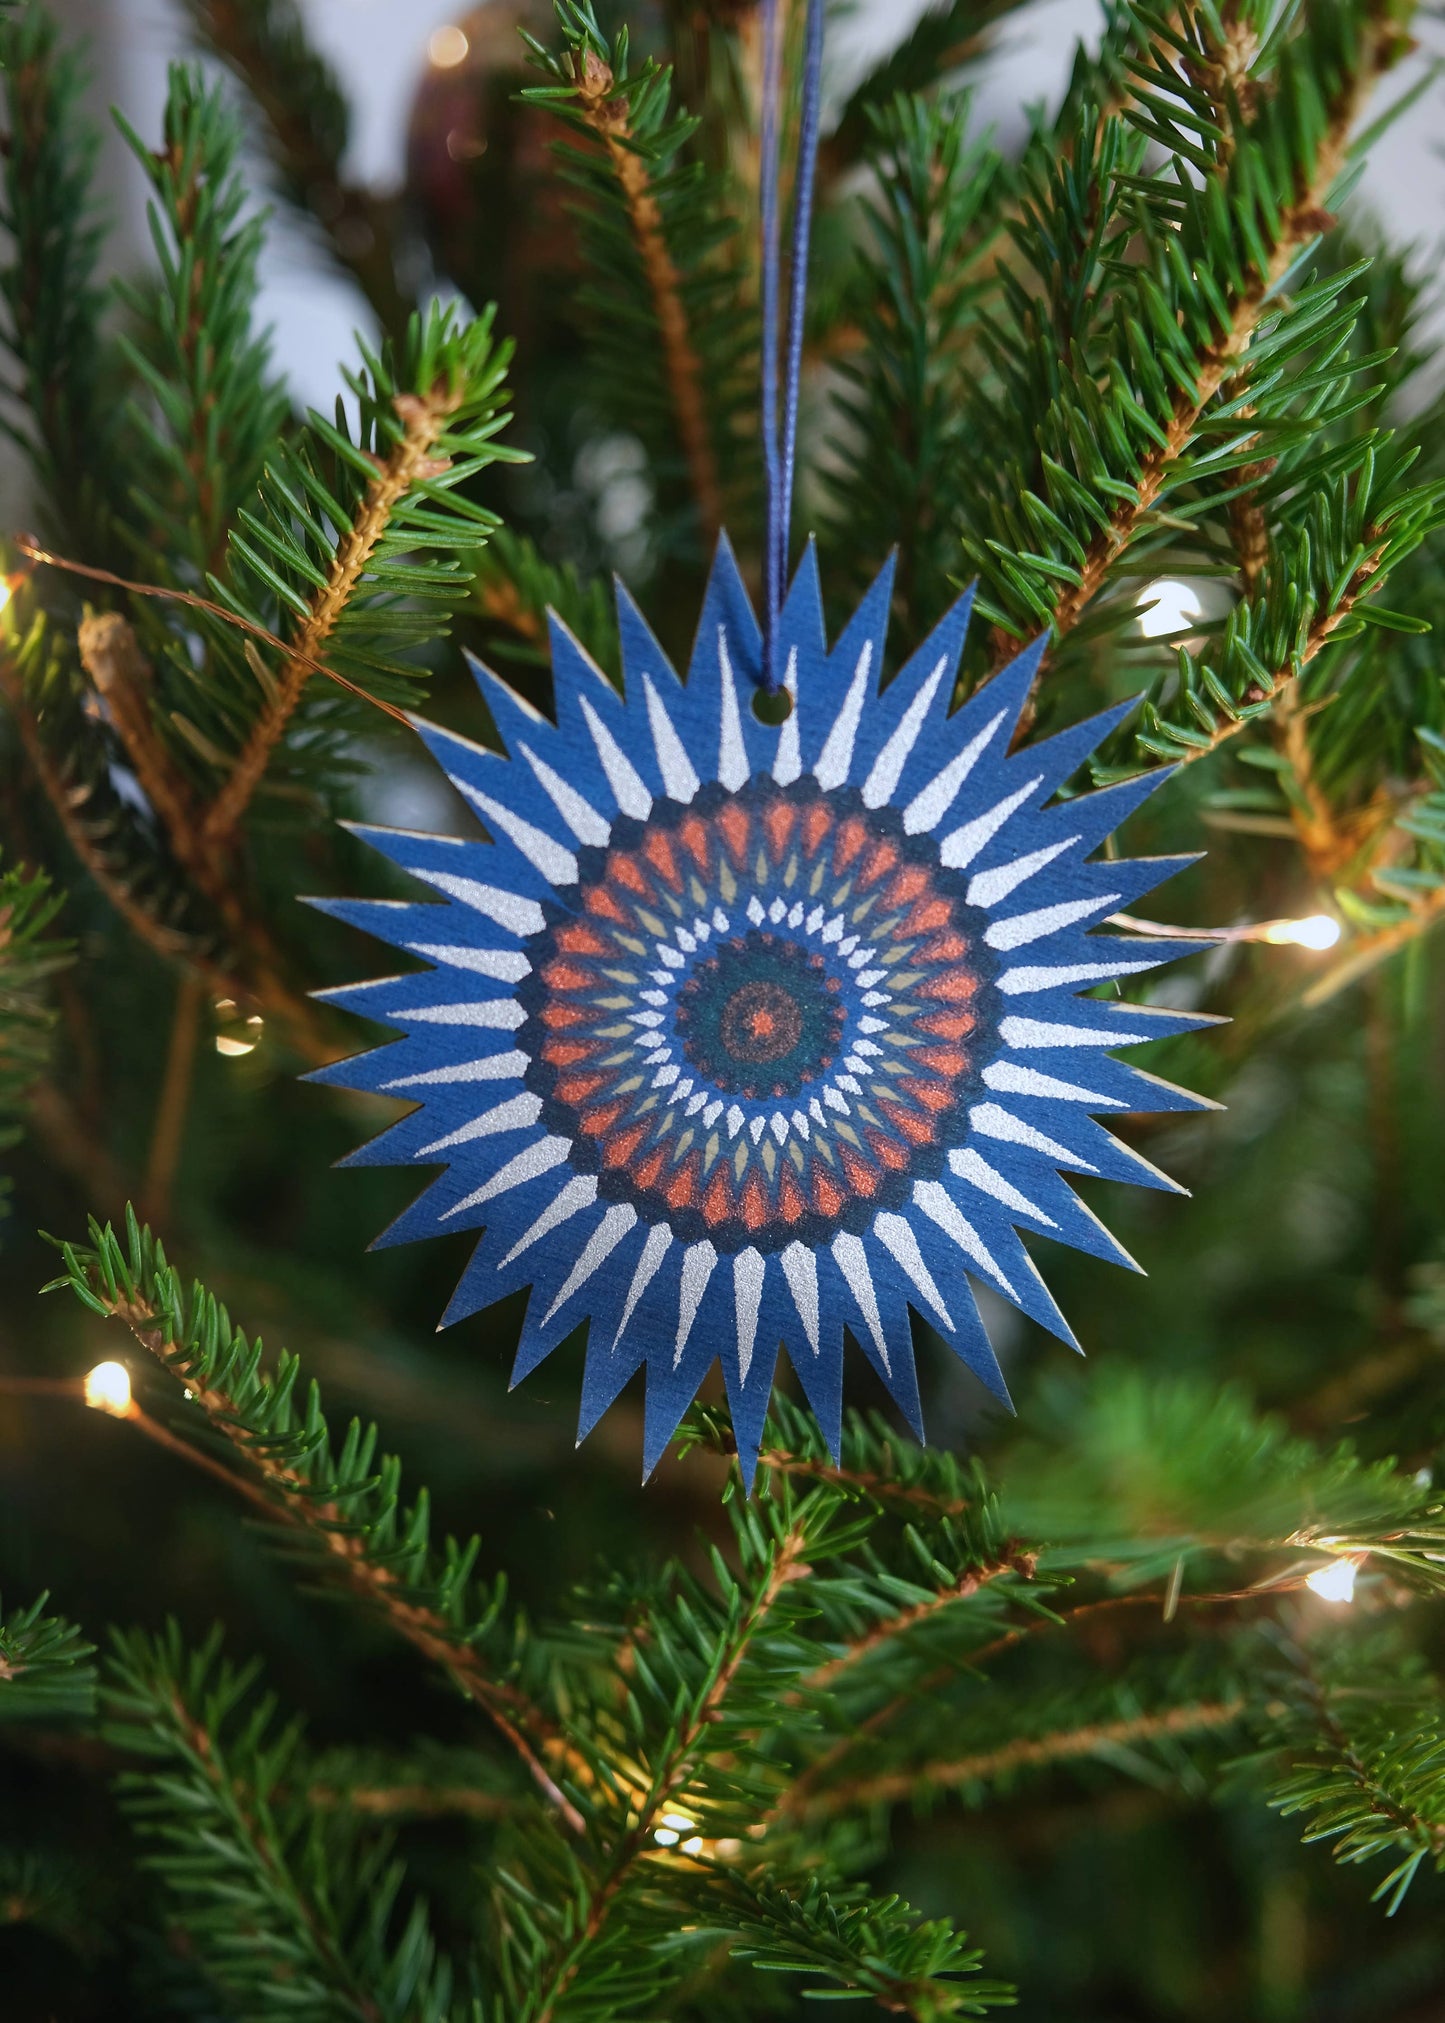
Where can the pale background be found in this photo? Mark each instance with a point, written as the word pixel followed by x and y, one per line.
pixel 379 50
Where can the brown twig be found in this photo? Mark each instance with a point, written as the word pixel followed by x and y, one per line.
pixel 1316 639
pixel 671 1778
pixel 289 1495
pixel 240 1806
pixel 1032 1753
pixel 170 1121
pixel 413 1801
pixel 898 1624
pixel 609 118
pixel 24 545
pixel 411 462
pixel 1220 361
pixel 111 655
pixel 863 1482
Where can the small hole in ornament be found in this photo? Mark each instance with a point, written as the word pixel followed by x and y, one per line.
pixel 772 706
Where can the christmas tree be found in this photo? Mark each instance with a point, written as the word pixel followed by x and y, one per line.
pixel 1125 1705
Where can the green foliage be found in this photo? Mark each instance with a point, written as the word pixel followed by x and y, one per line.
pixel 1059 1681
pixel 288 1907
pixel 345 1497
pixel 1372 1779
pixel 45 1673
pixel 359 544
pixel 668 308
pixel 211 407
pixel 60 379
pixel 29 958
pixel 918 290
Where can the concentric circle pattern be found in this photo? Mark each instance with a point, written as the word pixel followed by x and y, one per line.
pixel 764 1017
pixel 732 1036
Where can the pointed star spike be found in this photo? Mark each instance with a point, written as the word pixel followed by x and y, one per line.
pixel 726 603
pixel 642 654
pixel 802 613
pixel 1060 756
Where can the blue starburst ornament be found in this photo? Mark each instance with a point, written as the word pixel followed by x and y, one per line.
pixel 737 1036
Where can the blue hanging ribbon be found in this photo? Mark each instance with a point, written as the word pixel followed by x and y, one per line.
pixel 780 455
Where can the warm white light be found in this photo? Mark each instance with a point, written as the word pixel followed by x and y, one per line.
pixel 1334 1582
pixel 1320 930
pixel 448 47
pixel 107 1388
pixel 234 1045
pixel 693 1846
pixel 1166 606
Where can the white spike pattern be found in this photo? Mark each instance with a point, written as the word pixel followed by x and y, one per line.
pixel 622 776
pixel 996 1122
pixel 963 844
pixel 800 1269
pixel 788 764
pixel 987 888
pixel 615 1224
pixel 749 1271
pixel 928 808
pixel 518 1114
pixel 1039 1033
pixel 1012 1080
pixel 1023 982
pixel 579 814
pixel 888 766
pixel 1021 928
pixel 653 1252
pixel 557 866
pixel 507 965
pixel 578 1194
pixel 508 909
pixel 679 778
pixel 491 1068
pixel 528 1165
pixel 897 1237
pixel 978 1173
pixel 852 1260
pixel 732 758
pixel 499 1013
pixel 940 1207
pixel 836 758
pixel 699 1261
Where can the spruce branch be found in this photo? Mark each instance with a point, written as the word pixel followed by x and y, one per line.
pixel 1363 1725
pixel 697 1713
pixel 662 245
pixel 346 1504
pixel 286 1908
pixel 62 376
pixel 45 1673
pixel 305 121
pixel 207 407
pixel 411 462
pixel 30 956
pixel 356 550
pixel 1094 1739
pixel 1165 355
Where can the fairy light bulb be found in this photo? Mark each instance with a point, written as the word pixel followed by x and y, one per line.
pixel 1166 606
pixel 448 46
pixel 7 591
pixel 1335 1581
pixel 674 1826
pixel 1318 931
pixel 107 1389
